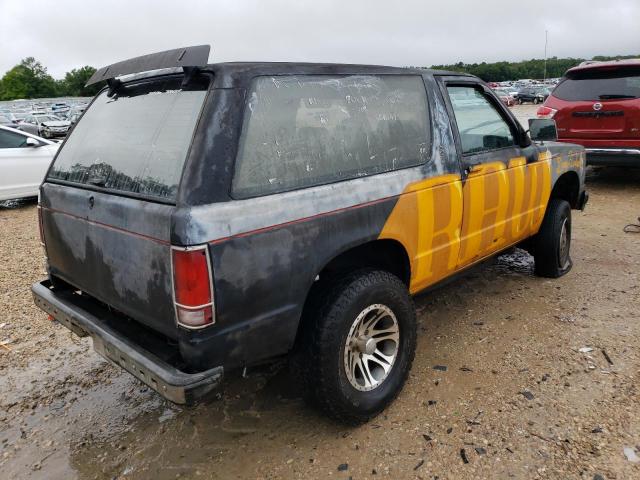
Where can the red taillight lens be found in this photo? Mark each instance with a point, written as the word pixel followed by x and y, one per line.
pixel 192 286
pixel 546 112
pixel 40 225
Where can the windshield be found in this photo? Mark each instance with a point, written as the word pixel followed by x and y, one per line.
pixel 597 85
pixel 135 141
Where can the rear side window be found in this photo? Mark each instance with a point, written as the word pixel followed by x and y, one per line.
pixel 135 141
pixel 598 85
pixel 309 130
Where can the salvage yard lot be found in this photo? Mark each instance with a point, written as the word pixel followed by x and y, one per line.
pixel 535 378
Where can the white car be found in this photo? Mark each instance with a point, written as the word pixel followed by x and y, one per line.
pixel 24 161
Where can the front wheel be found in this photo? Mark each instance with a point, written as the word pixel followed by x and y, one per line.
pixel 535 101
pixel 359 346
pixel 552 244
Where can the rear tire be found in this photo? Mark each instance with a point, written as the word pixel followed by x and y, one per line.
pixel 552 244
pixel 357 348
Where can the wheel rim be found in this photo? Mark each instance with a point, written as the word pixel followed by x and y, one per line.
pixel 371 347
pixel 563 248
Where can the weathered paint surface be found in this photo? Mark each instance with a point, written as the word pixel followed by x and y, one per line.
pixel 446 225
pixel 267 252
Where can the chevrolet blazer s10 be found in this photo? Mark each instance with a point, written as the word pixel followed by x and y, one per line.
pixel 202 218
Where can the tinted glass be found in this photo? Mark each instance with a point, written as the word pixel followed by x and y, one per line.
pixel 600 86
pixel 480 125
pixel 311 130
pixel 135 141
pixel 12 140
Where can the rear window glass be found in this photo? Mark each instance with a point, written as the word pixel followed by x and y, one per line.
pixel 309 130
pixel 596 85
pixel 135 141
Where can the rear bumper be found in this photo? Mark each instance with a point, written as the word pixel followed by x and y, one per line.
pixel 173 384
pixel 623 157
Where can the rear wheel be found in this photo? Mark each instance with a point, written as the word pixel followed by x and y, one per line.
pixel 552 244
pixel 358 346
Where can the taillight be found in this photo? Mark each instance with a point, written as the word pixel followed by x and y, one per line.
pixel 546 112
pixel 192 286
pixel 40 225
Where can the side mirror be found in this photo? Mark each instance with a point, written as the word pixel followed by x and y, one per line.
pixel 543 129
pixel 32 142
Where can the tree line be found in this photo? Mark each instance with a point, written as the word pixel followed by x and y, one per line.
pixel 534 68
pixel 29 79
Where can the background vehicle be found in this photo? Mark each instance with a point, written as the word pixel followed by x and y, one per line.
pixel 505 96
pixel 24 160
pixel 532 95
pixel 6 121
pixel 44 125
pixel 597 105
pixel 244 211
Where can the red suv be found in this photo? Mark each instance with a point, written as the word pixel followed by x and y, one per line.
pixel 597 104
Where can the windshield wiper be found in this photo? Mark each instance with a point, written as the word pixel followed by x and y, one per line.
pixel 608 97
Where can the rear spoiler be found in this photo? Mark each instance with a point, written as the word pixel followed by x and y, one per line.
pixel 186 57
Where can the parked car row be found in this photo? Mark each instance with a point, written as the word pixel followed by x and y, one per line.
pixel 46 118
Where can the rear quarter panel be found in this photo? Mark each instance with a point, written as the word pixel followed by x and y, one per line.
pixel 267 252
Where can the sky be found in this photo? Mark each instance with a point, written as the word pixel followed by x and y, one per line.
pixel 66 34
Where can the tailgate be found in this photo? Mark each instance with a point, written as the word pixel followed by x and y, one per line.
pixel 605 119
pixel 114 248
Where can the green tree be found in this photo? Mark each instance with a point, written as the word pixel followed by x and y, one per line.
pixel 534 68
pixel 73 83
pixel 28 79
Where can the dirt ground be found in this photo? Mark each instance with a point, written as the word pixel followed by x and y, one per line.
pixel 541 381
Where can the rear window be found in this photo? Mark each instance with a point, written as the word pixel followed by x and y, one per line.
pixel 599 85
pixel 301 131
pixel 135 141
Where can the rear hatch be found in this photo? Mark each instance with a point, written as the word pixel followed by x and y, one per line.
pixel 109 196
pixel 598 104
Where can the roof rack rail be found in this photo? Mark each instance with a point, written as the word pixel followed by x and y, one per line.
pixel 186 57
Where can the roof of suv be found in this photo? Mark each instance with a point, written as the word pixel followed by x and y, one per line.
pixel 233 73
pixel 238 74
pixel 608 65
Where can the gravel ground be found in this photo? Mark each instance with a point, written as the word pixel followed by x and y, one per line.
pixel 541 381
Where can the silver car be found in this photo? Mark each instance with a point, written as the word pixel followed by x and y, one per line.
pixel 44 125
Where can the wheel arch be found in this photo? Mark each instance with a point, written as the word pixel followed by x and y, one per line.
pixel 381 254
pixel 567 187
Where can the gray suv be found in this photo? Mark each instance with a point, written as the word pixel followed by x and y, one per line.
pixel 203 218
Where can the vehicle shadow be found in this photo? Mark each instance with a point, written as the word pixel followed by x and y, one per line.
pixel 612 176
